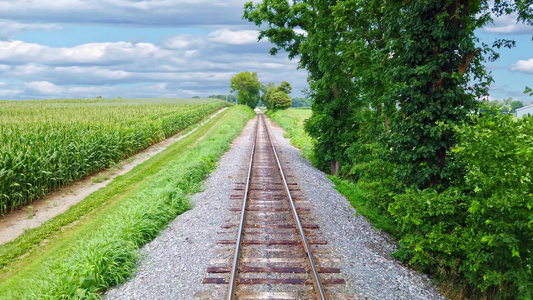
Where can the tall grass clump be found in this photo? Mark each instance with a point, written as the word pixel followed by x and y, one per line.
pixel 46 145
pixel 107 255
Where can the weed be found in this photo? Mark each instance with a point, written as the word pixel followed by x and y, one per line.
pixel 30 213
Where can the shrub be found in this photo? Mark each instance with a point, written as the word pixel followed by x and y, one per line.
pixel 482 228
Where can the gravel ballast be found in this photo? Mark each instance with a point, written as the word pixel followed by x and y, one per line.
pixel 173 265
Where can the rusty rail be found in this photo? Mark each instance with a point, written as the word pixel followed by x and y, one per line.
pixel 233 282
pixel 316 279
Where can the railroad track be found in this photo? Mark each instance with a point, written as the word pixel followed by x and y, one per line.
pixel 274 250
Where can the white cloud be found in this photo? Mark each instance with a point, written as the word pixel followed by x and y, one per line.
pixel 507 24
pixel 183 41
pixel 241 37
pixel 104 68
pixel 8 28
pixel 179 65
pixel 93 53
pixel 7 91
pixel 125 12
pixel 524 66
pixel 43 87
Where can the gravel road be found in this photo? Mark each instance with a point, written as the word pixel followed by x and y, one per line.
pixel 173 265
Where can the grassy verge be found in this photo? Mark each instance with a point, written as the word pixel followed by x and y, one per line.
pixel 99 247
pixel 292 121
pixel 358 199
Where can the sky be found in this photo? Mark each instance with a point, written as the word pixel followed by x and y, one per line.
pixel 170 48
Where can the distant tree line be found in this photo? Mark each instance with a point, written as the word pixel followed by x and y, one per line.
pixel 231 98
pixel 301 102
pixel 508 105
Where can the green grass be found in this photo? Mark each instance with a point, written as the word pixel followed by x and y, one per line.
pixel 292 121
pixel 357 198
pixel 94 244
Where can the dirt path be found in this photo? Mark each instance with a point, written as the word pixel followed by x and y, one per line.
pixel 42 210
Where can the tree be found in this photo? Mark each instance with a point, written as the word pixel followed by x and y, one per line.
pixel 507 105
pixel 285 87
pixel 271 88
pixel 516 104
pixel 247 86
pixel 280 100
pixel 301 102
pixel 418 65
pixel 265 88
pixel 412 61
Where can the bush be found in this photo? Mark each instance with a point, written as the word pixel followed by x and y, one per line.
pixel 481 228
pixel 280 100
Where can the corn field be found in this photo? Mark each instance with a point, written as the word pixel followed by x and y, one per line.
pixel 48 144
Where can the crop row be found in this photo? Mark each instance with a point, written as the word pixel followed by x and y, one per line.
pixel 45 145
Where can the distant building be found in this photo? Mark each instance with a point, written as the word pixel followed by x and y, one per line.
pixel 524 111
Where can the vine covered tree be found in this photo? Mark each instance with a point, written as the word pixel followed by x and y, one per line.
pixel 415 62
pixel 247 86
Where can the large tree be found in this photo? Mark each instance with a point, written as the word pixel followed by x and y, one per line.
pixel 416 63
pixel 247 86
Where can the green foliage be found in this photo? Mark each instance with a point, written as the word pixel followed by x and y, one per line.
pixel 498 154
pixel 106 253
pixel 247 86
pixel 528 91
pixel 46 145
pixel 364 205
pixel 285 87
pixel 477 234
pixel 230 98
pixel 516 104
pixel 301 102
pixel 280 100
pixel 481 228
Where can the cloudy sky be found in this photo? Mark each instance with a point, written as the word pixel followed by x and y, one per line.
pixel 167 48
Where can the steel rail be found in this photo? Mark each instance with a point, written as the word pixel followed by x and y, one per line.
pixel 233 281
pixel 316 280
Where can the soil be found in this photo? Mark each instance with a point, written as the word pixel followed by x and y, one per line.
pixel 14 224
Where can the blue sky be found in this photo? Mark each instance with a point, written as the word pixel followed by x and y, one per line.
pixel 169 48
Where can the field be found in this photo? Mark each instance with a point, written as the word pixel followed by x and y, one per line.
pixel 94 245
pixel 46 145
